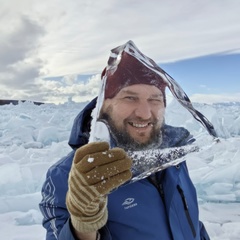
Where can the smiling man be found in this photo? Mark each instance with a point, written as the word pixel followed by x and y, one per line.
pixel 85 196
pixel 134 104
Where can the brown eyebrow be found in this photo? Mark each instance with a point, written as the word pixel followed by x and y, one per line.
pixel 157 95
pixel 129 92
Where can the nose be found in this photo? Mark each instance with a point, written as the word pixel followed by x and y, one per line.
pixel 143 110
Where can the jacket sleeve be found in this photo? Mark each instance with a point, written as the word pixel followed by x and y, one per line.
pixel 53 207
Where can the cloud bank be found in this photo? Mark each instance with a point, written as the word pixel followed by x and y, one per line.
pixel 41 40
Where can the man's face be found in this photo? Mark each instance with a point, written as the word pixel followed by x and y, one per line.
pixel 135 115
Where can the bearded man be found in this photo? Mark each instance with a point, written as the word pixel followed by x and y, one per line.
pixel 85 195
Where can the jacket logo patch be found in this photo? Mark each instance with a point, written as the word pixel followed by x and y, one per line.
pixel 129 203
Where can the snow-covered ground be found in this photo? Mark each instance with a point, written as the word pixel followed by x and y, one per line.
pixel 34 137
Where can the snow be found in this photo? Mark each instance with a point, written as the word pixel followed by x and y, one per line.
pixel 34 137
pixel 90 160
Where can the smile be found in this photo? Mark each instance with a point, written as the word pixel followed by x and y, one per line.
pixel 140 125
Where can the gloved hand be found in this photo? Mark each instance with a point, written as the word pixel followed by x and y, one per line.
pixel 96 171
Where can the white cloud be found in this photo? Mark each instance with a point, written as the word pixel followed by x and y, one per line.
pixel 19 64
pixel 61 91
pixel 215 98
pixel 58 37
pixel 70 79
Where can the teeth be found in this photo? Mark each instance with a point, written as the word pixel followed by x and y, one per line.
pixel 138 125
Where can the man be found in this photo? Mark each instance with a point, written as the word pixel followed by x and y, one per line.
pixel 86 195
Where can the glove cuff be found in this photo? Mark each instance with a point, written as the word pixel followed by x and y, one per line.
pixel 90 224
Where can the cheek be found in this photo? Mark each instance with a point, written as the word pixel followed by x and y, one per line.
pixel 117 117
pixel 122 111
pixel 160 114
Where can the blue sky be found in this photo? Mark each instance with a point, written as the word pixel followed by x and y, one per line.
pixel 213 74
pixel 48 55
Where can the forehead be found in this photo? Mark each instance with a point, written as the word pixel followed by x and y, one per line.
pixel 140 89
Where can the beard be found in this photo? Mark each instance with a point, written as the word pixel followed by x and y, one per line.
pixel 124 140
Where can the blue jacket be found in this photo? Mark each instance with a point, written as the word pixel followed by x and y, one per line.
pixel 162 207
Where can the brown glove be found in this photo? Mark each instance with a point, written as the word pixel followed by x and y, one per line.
pixel 96 170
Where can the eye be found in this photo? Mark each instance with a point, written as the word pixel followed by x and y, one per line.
pixel 156 100
pixel 130 98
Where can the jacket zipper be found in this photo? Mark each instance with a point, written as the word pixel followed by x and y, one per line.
pixel 186 210
pixel 159 187
pixel 160 190
pixel 158 184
